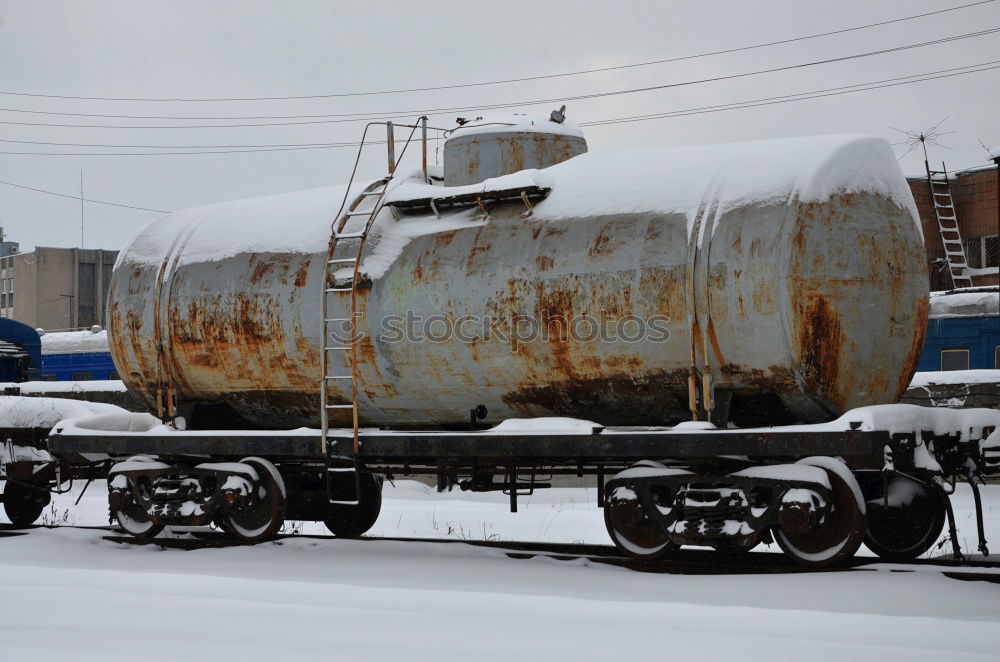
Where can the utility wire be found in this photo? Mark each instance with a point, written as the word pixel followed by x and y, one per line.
pixel 815 94
pixel 393 114
pixel 77 198
pixel 834 91
pixel 498 81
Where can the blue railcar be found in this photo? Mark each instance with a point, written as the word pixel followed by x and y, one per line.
pixel 78 366
pixel 963 332
pixel 20 351
pixel 78 355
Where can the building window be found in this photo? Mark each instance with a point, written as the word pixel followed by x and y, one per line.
pixel 954 359
pixel 82 376
pixel 86 300
pixel 981 252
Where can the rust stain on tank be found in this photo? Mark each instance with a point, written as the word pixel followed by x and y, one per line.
pixel 714 342
pixel 544 262
pixel 820 342
pixel 260 272
pixel 302 275
pixel 599 243
pixel 916 348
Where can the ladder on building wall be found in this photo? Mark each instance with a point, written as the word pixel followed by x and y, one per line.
pixel 341 282
pixel 947 220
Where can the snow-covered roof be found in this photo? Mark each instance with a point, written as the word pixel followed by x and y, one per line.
pixel 66 342
pixel 502 123
pixel 975 302
pixel 810 169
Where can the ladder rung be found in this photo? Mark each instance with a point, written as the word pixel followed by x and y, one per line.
pixel 342 259
pixel 337 289
pixel 340 470
pixel 367 193
pixel 339 377
pixel 340 406
pixel 947 218
pixel 344 503
pixel 350 235
pixel 337 319
pixel 355 212
pixel 334 349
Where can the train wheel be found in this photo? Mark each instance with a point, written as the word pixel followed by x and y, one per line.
pixel 840 535
pixel 911 522
pixel 635 534
pixel 264 518
pixel 23 505
pixel 135 521
pixel 353 520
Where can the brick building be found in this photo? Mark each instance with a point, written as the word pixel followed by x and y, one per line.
pixel 975 195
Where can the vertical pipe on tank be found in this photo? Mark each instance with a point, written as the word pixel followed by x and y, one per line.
pixel 423 144
pixel 390 136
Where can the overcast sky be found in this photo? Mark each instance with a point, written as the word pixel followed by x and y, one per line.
pixel 213 49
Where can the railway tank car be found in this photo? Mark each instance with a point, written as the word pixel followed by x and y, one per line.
pixel 604 296
pixel 790 272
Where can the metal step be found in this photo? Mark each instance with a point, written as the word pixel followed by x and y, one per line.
pixel 350 235
pixel 340 406
pixel 332 377
pixel 337 289
pixel 338 260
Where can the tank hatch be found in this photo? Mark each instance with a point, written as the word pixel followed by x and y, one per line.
pixel 497 145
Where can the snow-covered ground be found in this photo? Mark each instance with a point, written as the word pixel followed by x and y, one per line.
pixel 66 593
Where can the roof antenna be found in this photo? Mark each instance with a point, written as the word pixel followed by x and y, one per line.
pixel 917 139
pixel 558 116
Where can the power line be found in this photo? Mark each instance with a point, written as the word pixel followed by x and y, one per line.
pixel 815 94
pixel 834 91
pixel 498 81
pixel 393 114
pixel 845 89
pixel 77 197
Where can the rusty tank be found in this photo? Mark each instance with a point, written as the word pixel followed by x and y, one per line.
pixel 790 272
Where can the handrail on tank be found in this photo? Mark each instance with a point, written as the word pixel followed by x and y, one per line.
pixel 334 230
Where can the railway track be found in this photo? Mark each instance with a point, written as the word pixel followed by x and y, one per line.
pixel 685 561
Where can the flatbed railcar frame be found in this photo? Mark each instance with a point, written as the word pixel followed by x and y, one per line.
pixel 658 487
pixel 613 446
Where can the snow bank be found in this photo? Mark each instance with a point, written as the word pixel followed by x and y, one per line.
pixel 902 419
pixel 963 304
pixel 66 342
pixel 545 425
pixel 23 412
pixel 87 386
pixel 955 377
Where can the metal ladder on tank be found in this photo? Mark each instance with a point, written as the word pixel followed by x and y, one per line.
pixel 348 233
pixel 947 220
